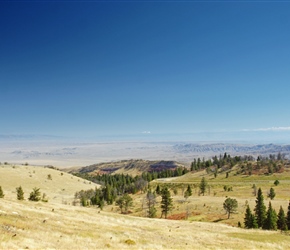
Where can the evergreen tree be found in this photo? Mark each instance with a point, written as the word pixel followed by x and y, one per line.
pixel 288 216
pixel 188 192
pixel 202 186
pixel 158 191
pixel 250 219
pixel 282 222
pixel 35 195
pixel 166 202
pixel 271 219
pixel 1 193
pixel 20 193
pixel 272 193
pixel 260 209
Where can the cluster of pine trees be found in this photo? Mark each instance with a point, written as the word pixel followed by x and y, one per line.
pixel 266 219
pixel 218 162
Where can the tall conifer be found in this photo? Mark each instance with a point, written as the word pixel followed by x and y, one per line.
pixel 282 222
pixel 260 209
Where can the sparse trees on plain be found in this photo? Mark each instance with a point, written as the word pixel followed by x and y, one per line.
pixel 230 205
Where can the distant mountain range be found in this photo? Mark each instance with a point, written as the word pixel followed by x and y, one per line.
pixel 219 148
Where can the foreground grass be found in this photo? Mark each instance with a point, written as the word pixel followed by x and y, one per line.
pixel 56 226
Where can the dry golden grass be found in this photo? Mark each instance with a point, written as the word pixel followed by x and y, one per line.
pixel 29 225
pixel 59 189
pixel 58 225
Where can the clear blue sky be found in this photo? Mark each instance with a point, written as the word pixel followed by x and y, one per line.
pixel 124 67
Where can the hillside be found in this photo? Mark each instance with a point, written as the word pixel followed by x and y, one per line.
pixel 58 186
pixel 131 167
pixel 27 225
pixel 58 224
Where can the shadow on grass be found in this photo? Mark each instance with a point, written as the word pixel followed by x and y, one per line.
pixel 218 220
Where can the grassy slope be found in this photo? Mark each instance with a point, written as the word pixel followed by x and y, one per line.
pixel 60 189
pixel 57 226
pixel 210 206
pixel 54 225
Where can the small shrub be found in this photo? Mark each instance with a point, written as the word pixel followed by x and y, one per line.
pixel 130 242
pixel 1 193
pixel 276 183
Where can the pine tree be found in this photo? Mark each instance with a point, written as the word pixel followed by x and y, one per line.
pixel 188 192
pixel 166 202
pixel 20 193
pixel 260 209
pixel 282 222
pixel 288 216
pixel 271 219
pixel 272 193
pixel 202 186
pixel 1 193
pixel 35 195
pixel 248 218
pixel 158 190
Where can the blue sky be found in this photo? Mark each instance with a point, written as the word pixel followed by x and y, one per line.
pixel 127 67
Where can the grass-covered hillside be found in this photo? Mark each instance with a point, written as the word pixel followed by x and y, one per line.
pixel 195 222
pixel 131 167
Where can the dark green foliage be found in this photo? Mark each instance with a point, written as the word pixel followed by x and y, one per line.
pixel 124 202
pixel 1 193
pixel 230 205
pixel 166 202
pixel 260 209
pixel 188 192
pixel 288 216
pixel 20 193
pixel 250 219
pixel 276 183
pixel 35 195
pixel 158 190
pixel 202 186
pixel 270 222
pixel 282 222
pixel 272 193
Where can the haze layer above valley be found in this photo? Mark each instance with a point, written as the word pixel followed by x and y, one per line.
pixel 63 152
